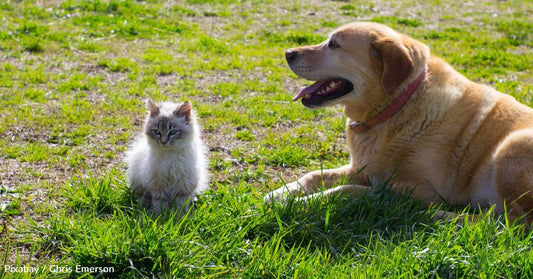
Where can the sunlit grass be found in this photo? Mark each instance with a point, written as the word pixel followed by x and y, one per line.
pixel 73 78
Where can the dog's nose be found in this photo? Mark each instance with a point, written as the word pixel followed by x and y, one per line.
pixel 290 55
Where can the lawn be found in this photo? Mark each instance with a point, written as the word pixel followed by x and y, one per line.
pixel 73 79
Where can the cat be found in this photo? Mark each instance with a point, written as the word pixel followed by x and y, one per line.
pixel 167 164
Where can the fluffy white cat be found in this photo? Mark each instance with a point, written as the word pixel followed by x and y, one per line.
pixel 167 164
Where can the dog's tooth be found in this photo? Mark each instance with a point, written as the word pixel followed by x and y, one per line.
pixel 333 84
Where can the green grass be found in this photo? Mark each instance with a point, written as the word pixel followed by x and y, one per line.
pixel 73 77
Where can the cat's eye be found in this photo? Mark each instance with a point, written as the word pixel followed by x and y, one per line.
pixel 333 44
pixel 156 132
pixel 173 132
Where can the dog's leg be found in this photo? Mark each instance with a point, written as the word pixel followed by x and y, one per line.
pixel 514 174
pixel 313 181
pixel 351 191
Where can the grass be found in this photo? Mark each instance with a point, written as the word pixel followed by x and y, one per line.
pixel 73 76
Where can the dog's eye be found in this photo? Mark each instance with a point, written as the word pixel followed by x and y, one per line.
pixel 332 44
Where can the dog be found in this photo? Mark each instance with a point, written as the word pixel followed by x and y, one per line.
pixel 412 119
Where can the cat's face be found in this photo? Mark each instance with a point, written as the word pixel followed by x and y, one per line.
pixel 168 124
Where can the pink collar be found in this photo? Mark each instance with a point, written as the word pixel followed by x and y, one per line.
pixel 392 109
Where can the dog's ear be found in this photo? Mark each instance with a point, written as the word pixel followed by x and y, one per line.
pixel 396 63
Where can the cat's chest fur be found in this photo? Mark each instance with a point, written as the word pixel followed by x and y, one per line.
pixel 174 170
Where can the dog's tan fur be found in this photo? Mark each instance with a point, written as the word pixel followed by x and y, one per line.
pixel 455 140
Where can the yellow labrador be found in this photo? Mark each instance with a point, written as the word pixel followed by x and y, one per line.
pixel 413 117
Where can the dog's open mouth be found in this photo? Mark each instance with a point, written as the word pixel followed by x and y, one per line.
pixel 322 91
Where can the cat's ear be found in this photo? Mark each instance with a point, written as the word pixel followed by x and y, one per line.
pixel 152 107
pixel 184 111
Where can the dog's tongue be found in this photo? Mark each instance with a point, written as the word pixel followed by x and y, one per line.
pixel 308 90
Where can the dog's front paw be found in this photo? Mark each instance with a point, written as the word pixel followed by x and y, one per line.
pixel 276 196
pixel 283 193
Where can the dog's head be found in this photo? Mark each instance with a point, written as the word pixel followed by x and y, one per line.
pixel 360 64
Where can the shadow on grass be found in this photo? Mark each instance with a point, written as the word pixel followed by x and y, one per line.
pixel 99 195
pixel 102 227
pixel 228 231
pixel 343 225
